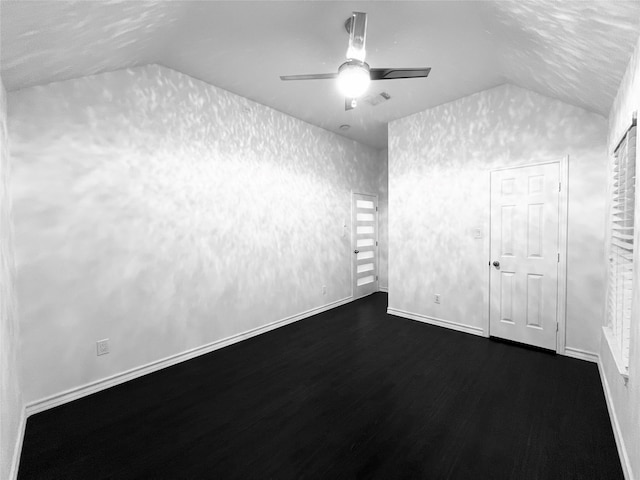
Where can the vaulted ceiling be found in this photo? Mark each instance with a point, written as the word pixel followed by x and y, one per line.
pixel 575 51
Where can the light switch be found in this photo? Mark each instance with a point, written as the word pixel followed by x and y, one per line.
pixel 477 233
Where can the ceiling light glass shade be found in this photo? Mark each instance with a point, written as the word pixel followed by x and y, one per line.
pixel 353 80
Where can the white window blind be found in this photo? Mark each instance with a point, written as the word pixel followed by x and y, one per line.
pixel 622 245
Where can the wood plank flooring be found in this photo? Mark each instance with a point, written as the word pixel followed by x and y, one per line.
pixel 350 393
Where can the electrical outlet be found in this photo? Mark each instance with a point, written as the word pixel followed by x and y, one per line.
pixel 102 347
pixel 436 298
pixel 324 289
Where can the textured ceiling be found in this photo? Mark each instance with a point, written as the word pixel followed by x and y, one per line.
pixel 576 51
pixel 573 50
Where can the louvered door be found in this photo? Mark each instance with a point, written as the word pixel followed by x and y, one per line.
pixel 364 244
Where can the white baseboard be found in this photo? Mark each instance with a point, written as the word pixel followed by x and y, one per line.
pixel 383 289
pixel 15 461
pixel 437 321
pixel 113 380
pixel 617 433
pixel 581 354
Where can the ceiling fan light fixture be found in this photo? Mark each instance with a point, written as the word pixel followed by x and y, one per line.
pixel 353 79
pixel 353 76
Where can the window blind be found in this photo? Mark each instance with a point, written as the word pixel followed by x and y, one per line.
pixel 622 234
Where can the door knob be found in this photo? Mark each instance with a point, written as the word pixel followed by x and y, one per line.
pixel 496 264
pixel 356 251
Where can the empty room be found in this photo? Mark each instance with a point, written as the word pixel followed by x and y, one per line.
pixel 319 239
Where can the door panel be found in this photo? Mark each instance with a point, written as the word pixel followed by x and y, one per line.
pixel 507 285
pixel 524 240
pixel 364 244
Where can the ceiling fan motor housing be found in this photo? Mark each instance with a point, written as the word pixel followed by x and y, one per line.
pixel 354 63
pixel 348 24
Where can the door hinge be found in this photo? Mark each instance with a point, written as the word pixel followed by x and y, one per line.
pixel 376 243
pixel 557 327
pixel 376 209
pixel 559 186
pixel 558 258
pixel 376 278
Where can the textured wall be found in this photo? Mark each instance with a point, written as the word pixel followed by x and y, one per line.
pixel 10 394
pixel 383 218
pixel 164 214
pixel 439 162
pixel 626 398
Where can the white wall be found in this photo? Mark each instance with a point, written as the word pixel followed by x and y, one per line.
pixel 439 192
pixel 10 389
pixel 625 399
pixel 383 219
pixel 164 213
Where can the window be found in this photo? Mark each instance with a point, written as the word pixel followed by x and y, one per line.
pixel 621 218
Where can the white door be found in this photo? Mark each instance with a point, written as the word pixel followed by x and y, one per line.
pixel 525 254
pixel 364 244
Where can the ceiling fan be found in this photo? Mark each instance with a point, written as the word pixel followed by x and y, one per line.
pixel 354 75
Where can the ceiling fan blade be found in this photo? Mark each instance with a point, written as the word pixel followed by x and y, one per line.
pixel 310 76
pixel 391 73
pixel 350 104
pixel 357 36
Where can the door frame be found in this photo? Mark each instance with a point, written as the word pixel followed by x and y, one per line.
pixel 563 225
pixel 351 241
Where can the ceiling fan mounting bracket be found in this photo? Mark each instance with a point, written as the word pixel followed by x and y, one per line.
pixel 348 24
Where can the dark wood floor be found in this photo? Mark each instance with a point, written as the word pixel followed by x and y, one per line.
pixel 350 393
